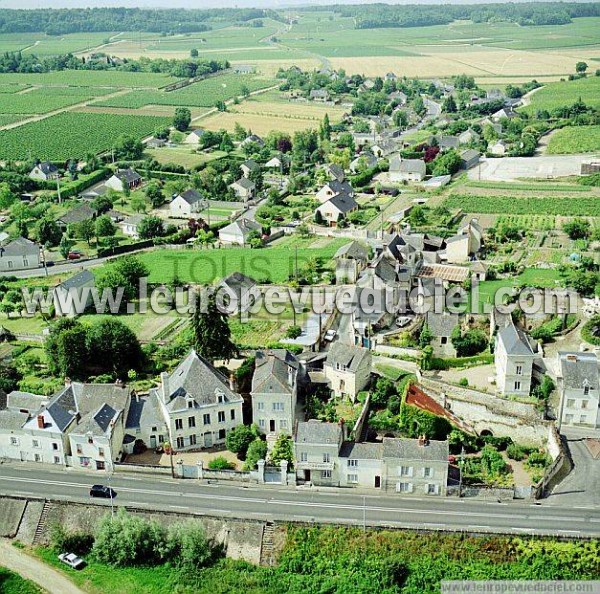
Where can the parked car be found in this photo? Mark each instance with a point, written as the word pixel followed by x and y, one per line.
pixel 102 491
pixel 72 560
pixel 49 263
pixel 74 255
pixel 403 321
pixel 330 335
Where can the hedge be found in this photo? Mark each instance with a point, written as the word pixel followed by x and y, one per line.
pixel 438 363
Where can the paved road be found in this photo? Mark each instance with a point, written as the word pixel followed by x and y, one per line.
pixel 304 505
pixel 30 568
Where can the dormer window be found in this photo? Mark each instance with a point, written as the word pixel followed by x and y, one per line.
pixel 190 404
pixel 220 396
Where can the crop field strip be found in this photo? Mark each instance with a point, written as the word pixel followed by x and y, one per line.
pixel 561 206
pixel 574 140
pixel 561 93
pixel 60 136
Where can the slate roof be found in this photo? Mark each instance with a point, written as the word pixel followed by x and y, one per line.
pixel 347 356
pixel 21 247
pixel 579 370
pixel 361 451
pixel 191 196
pixel 441 324
pixel 469 154
pixel 24 400
pixel 343 202
pixel 47 168
pixel 128 175
pixel 319 93
pixel 98 422
pixel 515 341
pixel 83 212
pixel 273 371
pixel 79 280
pixel 397 164
pixel 409 449
pixel 197 378
pixel 12 420
pixel 339 187
pixel 144 412
pixel 253 138
pixel 238 282
pixel 445 141
pixel 336 171
pixel 199 132
pixel 242 226
pixel 353 250
pixel 251 165
pixel 245 183
pixel 318 433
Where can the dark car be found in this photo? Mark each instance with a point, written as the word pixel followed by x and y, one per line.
pixel 102 491
pixel 74 255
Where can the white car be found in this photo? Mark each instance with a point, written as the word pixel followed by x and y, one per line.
pixel 403 321
pixel 330 335
pixel 72 560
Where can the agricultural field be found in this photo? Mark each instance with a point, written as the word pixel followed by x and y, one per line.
pixel 91 78
pixel 184 156
pixel 201 94
pixel 525 205
pixel 566 92
pixel 574 140
pixel 529 222
pixel 73 134
pixel 208 266
pixel 47 45
pixel 40 101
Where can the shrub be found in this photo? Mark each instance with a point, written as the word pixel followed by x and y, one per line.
pixel 463 382
pixel 515 452
pixel 220 463
pixel 239 439
pixel 62 541
pixel 256 451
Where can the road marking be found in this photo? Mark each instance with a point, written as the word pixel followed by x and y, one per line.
pixel 470 527
pixel 179 506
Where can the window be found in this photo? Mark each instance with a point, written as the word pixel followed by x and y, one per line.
pixel 56 460
pixel 303 457
pixel 232 414
pixel 178 424
pixel 406 471
pixel 326 458
pixel 404 487
pixel 14 441
pixel 37 458
pixel 79 449
pixel 278 406
pixel 221 416
pixel 326 474
pixel 352 463
pixel 517 385
pixel 432 489
pixel 90 439
pixel 54 446
pixel 101 452
pixel 179 442
pixel 571 403
pixel 206 419
pixel 35 443
pixel 427 472
pixel 283 424
pixel 154 429
pixel 583 419
pixel 352 478
pixel 584 404
pixel 220 398
pixel 161 439
pixel 261 423
pixel 222 433
pixel 192 440
pixel 444 340
pixel 84 461
pixel 586 390
pixel 261 406
pixel 568 419
pixel 190 404
pixel 519 370
pixel 191 422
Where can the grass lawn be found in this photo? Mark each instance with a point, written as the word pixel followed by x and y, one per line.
pixel 575 139
pixel 208 266
pixel 13 583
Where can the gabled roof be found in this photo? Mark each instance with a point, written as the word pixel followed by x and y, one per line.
pixel 398 164
pixel 78 280
pixel 515 341
pixel 343 202
pixel 441 324
pixel 579 370
pixel 410 449
pixel 318 433
pixel 47 168
pixel 334 170
pixel 77 214
pixel 198 132
pixel 197 379
pixel 98 422
pixel 245 183
pixel 353 250
pixel 128 175
pixel 361 451
pixel 348 356
pixel 251 165
pixel 274 371
pixel 20 247
pixel 242 226
pixel 191 196
pixel 237 282
pixel 338 187
pixel 469 154
pixel 253 138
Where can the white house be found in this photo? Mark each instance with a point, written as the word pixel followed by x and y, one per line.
pixel 441 326
pixel 129 225
pixel 337 208
pixel 513 357
pixel 348 369
pixel 406 169
pixel 579 387
pixel 498 148
pixel 194 137
pixel 73 296
pixel 239 231
pixel 124 178
pixel 198 405
pixel 45 171
pixel 243 188
pixel 275 391
pixel 19 254
pixel 186 204
pixel 333 188
pixel 249 167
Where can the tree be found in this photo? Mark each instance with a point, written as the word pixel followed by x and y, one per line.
pixel 105 227
pixel 150 227
pixel 238 440
pixel 425 337
pixel 577 228
pixel 212 335
pixel 125 272
pixel 283 449
pixel 226 144
pixel 293 332
pixel 447 164
pixel 325 131
pixel 155 194
pixel 400 118
pixel 113 346
pixel 221 105
pixel 65 245
pixel 128 148
pixel 102 204
pixel 257 450
pixel 65 348
pixel 581 67
pixel 48 232
pixel 193 53
pixel 138 203
pixel 449 105
pixel 7 196
pixel 85 230
pixel 182 119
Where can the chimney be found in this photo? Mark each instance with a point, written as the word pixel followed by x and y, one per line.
pixel 164 388
pixel 232 383
pixel 40 421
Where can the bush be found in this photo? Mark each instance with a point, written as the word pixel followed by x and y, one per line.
pixel 591 331
pixel 220 463
pixel 515 452
pixel 239 439
pixel 62 541
pixel 256 451
pixel 463 381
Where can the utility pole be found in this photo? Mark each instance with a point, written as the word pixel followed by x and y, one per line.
pixel 460 471
pixel 364 513
pixel 296 263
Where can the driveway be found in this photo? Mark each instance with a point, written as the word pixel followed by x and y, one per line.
pixel 30 568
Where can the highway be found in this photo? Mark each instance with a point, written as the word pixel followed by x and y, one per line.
pixel 275 503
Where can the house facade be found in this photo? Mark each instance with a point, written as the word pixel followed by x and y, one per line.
pixel 238 232
pixel 74 294
pixel 317 445
pixel 513 358
pixel 348 369
pixel 45 171
pixel 402 170
pixel 19 254
pixel 124 178
pixel 186 204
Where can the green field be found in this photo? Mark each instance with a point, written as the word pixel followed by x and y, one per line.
pixel 91 78
pixel 562 206
pixel 10 118
pixel 72 134
pixel 42 101
pixel 573 140
pixel 201 94
pixel 559 94
pixel 13 583
pixel 208 266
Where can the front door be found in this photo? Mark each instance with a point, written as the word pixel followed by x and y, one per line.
pixel 208 441
pixel 153 442
pixel 307 476
pixel 377 482
pixel 272 425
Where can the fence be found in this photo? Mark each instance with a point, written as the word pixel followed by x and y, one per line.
pixel 124 249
